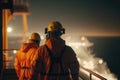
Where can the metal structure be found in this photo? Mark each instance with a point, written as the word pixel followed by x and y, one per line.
pixel 9 8
pixel 21 8
pixel 5 6
pixel 1 58
pixel 91 73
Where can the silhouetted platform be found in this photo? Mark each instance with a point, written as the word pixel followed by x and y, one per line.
pixel 9 74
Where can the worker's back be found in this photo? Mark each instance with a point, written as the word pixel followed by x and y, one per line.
pixel 25 57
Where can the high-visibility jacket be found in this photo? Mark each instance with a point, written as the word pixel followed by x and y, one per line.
pixel 70 63
pixel 24 59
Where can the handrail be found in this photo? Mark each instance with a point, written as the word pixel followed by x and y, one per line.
pixel 93 73
pixel 90 72
pixel 9 49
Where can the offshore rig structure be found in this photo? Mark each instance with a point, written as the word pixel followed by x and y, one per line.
pixel 8 9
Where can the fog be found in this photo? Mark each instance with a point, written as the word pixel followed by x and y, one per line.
pixel 87 58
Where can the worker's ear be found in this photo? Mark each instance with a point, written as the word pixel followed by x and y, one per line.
pixel 46 30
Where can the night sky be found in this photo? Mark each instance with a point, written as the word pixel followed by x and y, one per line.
pixel 85 17
pixel 96 19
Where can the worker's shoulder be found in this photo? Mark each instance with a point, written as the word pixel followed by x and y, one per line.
pixel 41 47
pixel 68 47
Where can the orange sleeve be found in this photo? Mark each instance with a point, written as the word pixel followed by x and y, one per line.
pixel 17 64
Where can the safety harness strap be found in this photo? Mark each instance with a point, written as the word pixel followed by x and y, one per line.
pixel 56 60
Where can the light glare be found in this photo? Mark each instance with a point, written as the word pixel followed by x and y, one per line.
pixel 100 61
pixel 9 29
pixel 14 51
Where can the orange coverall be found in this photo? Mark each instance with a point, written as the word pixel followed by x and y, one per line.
pixel 23 61
pixel 69 61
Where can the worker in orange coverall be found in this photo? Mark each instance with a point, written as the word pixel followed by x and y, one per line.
pixel 55 60
pixel 25 57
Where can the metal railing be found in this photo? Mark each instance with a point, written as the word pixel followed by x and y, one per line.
pixel 91 73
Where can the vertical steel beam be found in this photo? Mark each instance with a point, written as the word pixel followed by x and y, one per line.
pixel 1 44
pixel 4 4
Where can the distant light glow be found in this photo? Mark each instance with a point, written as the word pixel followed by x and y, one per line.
pixel 83 44
pixel 9 29
pixel 82 38
pixel 88 64
pixel 77 47
pixel 75 43
pixel 14 51
pixel 100 61
pixel 42 37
